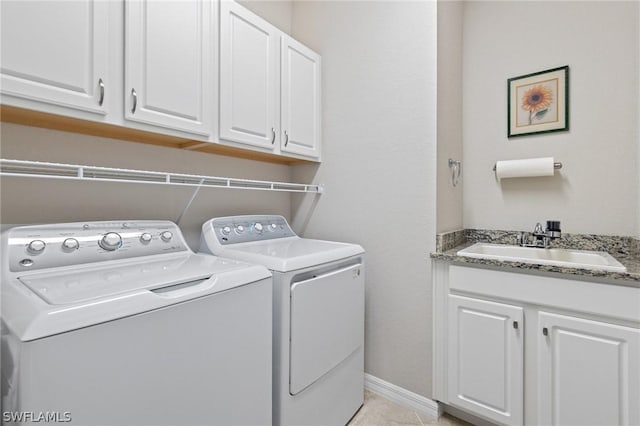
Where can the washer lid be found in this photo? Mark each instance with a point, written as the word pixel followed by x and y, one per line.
pixel 290 254
pixel 74 286
pixel 42 303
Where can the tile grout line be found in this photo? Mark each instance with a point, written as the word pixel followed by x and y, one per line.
pixel 419 419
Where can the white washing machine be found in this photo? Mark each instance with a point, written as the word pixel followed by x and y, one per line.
pixel 318 329
pixel 112 323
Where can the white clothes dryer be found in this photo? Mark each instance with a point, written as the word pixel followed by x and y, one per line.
pixel 120 323
pixel 318 322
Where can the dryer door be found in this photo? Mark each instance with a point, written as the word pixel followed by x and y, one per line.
pixel 327 323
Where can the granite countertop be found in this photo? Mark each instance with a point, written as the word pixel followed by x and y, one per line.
pixel 625 250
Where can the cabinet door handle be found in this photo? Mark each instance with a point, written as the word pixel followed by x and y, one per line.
pixel 286 138
pixel 515 325
pixel 273 136
pixel 135 100
pixel 545 331
pixel 101 85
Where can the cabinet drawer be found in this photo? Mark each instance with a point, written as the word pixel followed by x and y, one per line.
pixel 608 300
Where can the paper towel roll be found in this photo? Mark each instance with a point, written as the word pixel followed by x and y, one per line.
pixel 524 168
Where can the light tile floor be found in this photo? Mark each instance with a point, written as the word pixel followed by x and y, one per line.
pixel 379 411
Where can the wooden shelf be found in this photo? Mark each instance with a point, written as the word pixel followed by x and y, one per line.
pixel 26 117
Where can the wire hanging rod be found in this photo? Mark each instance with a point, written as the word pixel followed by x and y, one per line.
pixel 38 169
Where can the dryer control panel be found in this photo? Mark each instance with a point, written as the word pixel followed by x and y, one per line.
pixel 243 229
pixel 50 246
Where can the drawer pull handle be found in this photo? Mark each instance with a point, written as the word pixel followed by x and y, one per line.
pixel 545 331
pixel 286 138
pixel 273 136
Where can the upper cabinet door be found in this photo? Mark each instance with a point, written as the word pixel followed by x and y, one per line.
pixel 300 87
pixel 169 72
pixel 249 92
pixel 56 52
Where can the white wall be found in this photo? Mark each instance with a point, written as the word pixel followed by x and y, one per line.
pixel 25 201
pixel 449 201
pixel 597 190
pixel 379 148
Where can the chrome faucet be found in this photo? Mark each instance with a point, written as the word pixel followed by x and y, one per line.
pixel 540 238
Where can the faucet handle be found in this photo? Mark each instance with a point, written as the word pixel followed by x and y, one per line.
pixel 538 229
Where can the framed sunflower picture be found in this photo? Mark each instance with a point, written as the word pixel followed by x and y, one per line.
pixel 538 102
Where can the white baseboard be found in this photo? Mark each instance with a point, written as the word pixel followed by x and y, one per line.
pixel 404 397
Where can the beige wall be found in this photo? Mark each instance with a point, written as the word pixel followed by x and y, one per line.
pixel 25 201
pixel 277 12
pixel 449 201
pixel 597 190
pixel 379 147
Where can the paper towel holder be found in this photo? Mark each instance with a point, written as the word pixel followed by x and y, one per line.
pixel 556 166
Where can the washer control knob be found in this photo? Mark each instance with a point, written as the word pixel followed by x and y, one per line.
pixel 36 246
pixel 226 230
pixel 239 229
pixel 258 227
pixel 273 227
pixel 111 241
pixel 70 244
pixel 145 237
pixel 166 236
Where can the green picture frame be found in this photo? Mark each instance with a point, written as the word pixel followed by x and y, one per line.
pixel 538 102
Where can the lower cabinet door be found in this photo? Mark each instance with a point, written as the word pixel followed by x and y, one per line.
pixel 486 359
pixel 589 372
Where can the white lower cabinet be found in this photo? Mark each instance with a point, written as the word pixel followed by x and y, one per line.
pixel 589 372
pixel 516 349
pixel 486 358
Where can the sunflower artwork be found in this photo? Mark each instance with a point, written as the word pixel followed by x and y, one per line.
pixel 538 102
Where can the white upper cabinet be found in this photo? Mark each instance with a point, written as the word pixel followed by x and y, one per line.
pixel 300 101
pixel 169 57
pixel 269 86
pixel 249 80
pixel 56 52
pixel 201 70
